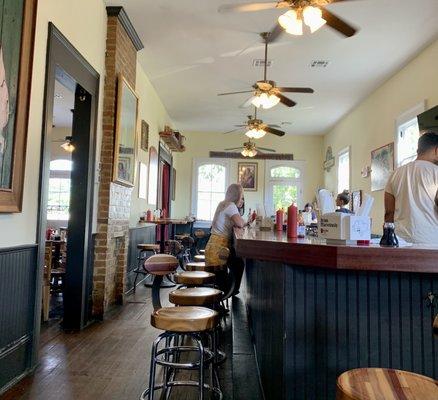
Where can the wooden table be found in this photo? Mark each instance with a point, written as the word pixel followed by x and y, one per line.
pixel 165 222
pixel 318 310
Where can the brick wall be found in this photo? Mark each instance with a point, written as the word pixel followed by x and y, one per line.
pixel 114 199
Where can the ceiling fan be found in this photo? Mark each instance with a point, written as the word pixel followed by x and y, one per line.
pixel 256 128
pixel 266 94
pixel 250 150
pixel 312 12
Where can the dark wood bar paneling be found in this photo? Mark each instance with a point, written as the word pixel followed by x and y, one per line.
pixel 311 324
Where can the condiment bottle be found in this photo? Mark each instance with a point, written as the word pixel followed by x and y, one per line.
pixel 292 221
pixel 389 238
pixel 253 216
pixel 279 218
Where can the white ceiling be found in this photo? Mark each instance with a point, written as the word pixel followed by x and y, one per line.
pixel 190 56
pixel 63 103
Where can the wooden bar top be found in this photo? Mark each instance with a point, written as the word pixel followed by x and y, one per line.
pixel 314 252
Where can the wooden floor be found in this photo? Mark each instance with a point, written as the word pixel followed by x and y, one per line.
pixel 108 360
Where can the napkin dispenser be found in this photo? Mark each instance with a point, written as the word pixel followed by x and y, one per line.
pixel 344 227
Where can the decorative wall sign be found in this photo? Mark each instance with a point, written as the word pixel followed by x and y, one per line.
pixel 16 55
pixel 329 159
pixel 247 176
pixel 153 176
pixel 382 165
pixel 144 138
pixel 126 133
pixel 143 181
pixel 356 200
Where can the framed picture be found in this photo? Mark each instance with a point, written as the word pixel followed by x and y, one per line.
pixel 143 181
pixel 144 139
pixel 16 55
pixel 153 176
pixel 382 165
pixel 173 188
pixel 126 129
pixel 356 200
pixel 247 176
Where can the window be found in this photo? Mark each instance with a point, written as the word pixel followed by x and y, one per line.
pixel 344 170
pixel 407 142
pixel 283 184
pixel 59 190
pixel 407 134
pixel 211 181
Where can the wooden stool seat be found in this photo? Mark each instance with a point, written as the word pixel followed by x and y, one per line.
pixel 194 278
pixel 184 319
pixel 161 264
pixel 385 384
pixel 200 266
pixel 199 257
pixel 199 234
pixel 148 247
pixel 202 251
pixel 196 296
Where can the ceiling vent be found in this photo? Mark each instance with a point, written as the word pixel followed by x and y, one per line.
pixel 260 62
pixel 319 64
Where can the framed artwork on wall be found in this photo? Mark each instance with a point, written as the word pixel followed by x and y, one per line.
pixel 16 55
pixel 153 176
pixel 126 133
pixel 382 165
pixel 144 139
pixel 143 181
pixel 247 176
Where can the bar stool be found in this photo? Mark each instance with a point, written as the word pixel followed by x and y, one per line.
pixel 199 257
pixel 189 322
pixel 202 251
pixel 385 384
pixel 143 249
pixel 199 234
pixel 194 278
pixel 196 296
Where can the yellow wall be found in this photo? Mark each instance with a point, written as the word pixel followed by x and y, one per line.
pixel 199 144
pixel 89 39
pixel 372 123
pixel 151 110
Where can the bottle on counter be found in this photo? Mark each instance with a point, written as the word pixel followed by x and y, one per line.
pixel 389 238
pixel 279 218
pixel 149 216
pixel 292 213
pixel 301 230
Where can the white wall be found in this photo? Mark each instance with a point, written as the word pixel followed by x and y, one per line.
pixel 83 22
pixel 372 123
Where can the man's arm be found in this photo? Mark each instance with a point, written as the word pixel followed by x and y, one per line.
pixel 390 207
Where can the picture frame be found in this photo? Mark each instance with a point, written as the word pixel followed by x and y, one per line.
pixel 144 135
pixel 382 166
pixel 153 176
pixel 247 175
pixel 356 200
pixel 142 181
pixel 16 56
pixel 125 154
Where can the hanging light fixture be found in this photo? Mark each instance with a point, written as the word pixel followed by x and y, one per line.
pixel 255 133
pixel 67 145
pixel 265 100
pixel 292 20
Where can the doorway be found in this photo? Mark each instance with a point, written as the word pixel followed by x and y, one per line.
pixel 66 185
pixel 164 187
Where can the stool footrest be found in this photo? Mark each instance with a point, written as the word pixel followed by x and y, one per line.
pixel 206 386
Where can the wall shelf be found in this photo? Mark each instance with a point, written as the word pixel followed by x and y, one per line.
pixel 173 140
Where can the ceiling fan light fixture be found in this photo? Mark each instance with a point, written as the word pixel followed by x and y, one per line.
pixel 313 18
pixel 255 133
pixel 290 22
pixel 265 101
pixel 68 145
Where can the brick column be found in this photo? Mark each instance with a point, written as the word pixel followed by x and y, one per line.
pixel 111 244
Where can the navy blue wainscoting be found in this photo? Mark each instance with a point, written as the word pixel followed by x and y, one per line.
pixel 18 275
pixel 141 234
pixel 311 324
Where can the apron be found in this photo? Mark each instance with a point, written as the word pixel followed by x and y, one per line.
pixel 215 243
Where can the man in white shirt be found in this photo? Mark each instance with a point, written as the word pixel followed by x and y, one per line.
pixel 411 195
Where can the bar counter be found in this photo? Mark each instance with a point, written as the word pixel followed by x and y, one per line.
pixel 317 310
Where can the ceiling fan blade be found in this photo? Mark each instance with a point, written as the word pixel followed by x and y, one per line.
pixel 247 102
pixel 233 130
pixel 265 149
pixel 244 91
pixel 233 148
pixel 247 7
pixel 241 126
pixel 273 126
pixel 295 89
pixel 276 132
pixel 337 24
pixel 286 101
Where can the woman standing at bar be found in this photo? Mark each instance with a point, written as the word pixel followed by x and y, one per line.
pixel 226 217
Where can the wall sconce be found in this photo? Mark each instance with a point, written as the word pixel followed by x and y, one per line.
pixel 68 145
pixel 366 171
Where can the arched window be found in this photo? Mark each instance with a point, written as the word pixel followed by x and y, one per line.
pixel 285 172
pixel 211 179
pixel 58 201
